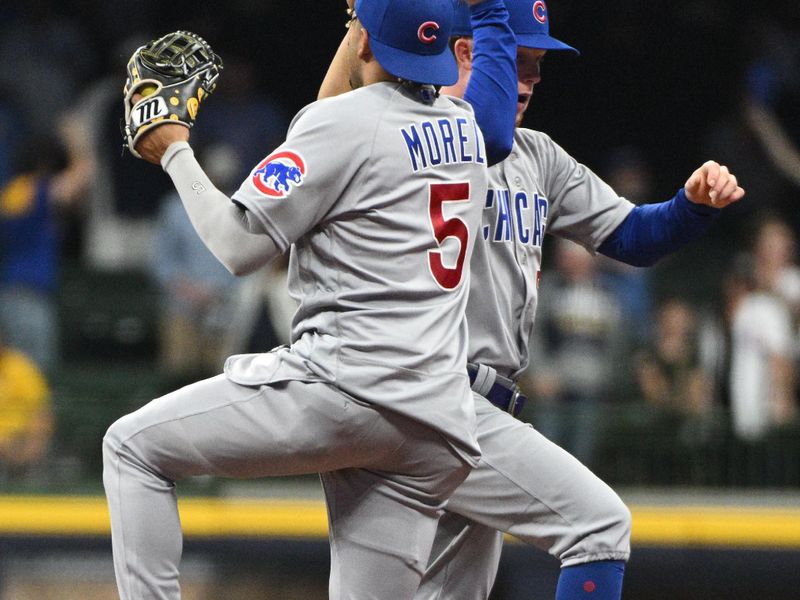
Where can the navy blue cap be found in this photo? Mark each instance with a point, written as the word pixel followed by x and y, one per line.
pixel 529 21
pixel 409 37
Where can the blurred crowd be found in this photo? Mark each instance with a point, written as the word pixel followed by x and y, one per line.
pixel 705 342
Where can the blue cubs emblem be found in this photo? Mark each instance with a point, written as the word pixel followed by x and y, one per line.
pixel 278 173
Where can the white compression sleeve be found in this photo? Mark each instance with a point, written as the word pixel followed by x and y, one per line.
pixel 223 226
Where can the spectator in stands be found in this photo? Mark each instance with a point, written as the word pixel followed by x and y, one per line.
pixel 629 174
pixel 775 267
pixel 26 419
pixel 122 195
pixel 577 339
pixel 196 289
pixel 763 352
pixel 670 374
pixel 262 310
pixel 29 249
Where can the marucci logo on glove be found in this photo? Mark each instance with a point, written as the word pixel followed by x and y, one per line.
pixel 149 110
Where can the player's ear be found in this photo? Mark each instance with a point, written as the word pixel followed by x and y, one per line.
pixel 364 51
pixel 462 50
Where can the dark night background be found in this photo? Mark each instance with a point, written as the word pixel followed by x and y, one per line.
pixel 657 75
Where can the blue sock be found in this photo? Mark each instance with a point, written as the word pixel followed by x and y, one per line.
pixel 601 580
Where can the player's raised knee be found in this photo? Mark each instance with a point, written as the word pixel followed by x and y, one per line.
pixel 602 531
pixel 116 434
pixel 610 538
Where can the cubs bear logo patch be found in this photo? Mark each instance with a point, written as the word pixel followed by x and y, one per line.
pixel 279 173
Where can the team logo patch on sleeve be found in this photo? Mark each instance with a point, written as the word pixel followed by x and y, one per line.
pixel 279 173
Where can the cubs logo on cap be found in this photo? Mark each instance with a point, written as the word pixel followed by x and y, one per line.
pixel 409 37
pixel 427 32
pixel 540 11
pixel 529 21
pixel 279 173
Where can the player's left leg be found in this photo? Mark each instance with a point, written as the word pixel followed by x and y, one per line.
pixel 527 486
pixel 464 560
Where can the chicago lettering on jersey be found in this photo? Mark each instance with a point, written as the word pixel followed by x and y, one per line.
pixel 520 218
pixel 443 142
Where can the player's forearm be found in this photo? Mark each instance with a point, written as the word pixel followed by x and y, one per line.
pixel 222 226
pixel 492 88
pixel 652 231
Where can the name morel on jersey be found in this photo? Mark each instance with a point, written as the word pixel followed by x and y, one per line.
pixel 444 141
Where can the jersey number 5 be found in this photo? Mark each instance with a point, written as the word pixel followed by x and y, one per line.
pixel 447 277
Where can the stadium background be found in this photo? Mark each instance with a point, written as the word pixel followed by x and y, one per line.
pixel 717 522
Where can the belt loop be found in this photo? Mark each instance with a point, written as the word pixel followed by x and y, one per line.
pixel 484 379
pixel 515 398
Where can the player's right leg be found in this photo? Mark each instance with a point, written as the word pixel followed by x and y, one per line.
pixel 217 427
pixel 382 526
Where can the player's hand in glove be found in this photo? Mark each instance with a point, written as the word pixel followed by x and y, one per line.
pixel 153 143
pixel 713 185
pixel 167 80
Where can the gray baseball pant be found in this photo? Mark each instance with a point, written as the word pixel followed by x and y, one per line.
pixel 385 476
pixel 529 487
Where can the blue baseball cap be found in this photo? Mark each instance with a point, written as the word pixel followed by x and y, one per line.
pixel 410 37
pixel 529 21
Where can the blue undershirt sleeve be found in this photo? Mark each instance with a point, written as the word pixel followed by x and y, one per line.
pixel 652 231
pixel 492 88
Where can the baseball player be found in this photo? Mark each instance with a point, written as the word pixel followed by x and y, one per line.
pixel 524 484
pixel 378 193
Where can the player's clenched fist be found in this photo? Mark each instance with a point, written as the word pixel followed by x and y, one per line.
pixel 713 185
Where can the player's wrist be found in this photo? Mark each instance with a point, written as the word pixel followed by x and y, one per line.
pixel 172 150
pixel 685 199
pixel 153 145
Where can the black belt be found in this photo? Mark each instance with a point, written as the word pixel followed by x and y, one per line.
pixel 503 393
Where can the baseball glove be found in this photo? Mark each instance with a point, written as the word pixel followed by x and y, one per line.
pixel 174 74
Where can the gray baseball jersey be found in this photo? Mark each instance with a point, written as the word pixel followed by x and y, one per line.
pixel 524 484
pixel 538 189
pixel 384 220
pixel 380 192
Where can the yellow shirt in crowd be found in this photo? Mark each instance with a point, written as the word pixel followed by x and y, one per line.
pixel 23 393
